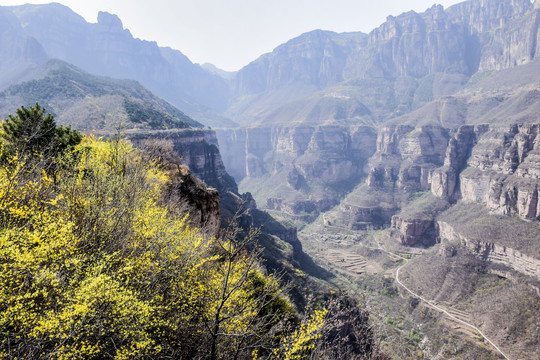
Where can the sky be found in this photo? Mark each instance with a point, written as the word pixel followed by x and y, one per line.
pixel 232 33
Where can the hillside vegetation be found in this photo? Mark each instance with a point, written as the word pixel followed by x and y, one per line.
pixel 90 102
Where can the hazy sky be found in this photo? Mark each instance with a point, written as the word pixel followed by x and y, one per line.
pixel 231 33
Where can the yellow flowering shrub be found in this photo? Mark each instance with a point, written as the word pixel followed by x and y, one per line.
pixel 298 344
pixel 93 266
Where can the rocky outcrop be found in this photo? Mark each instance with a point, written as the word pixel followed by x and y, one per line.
pixel 504 173
pixel 199 152
pixel 414 232
pixel 493 252
pixel 298 209
pixel 445 180
pixel 190 195
pixel 406 157
pixel 365 217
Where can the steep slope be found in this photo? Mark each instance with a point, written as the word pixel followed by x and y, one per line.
pixel 89 102
pixel 203 189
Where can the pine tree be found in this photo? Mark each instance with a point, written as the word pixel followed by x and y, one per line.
pixel 30 132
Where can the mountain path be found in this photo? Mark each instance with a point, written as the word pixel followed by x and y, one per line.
pixel 435 306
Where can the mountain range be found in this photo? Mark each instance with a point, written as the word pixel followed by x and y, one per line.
pixel 425 128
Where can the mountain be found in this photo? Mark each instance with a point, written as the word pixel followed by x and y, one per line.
pixel 90 102
pixel 19 52
pixel 408 153
pixel 473 63
pixel 106 48
pixel 425 130
pixel 227 75
pixel 411 59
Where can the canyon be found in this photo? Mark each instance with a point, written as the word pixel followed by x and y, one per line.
pixel 425 130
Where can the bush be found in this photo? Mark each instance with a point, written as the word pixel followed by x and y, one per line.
pixel 94 266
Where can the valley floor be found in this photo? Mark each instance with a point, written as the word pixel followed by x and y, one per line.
pixel 414 323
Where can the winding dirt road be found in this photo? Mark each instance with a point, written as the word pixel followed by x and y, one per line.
pixel 433 305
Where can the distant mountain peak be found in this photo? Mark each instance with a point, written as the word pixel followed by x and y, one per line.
pixel 227 75
pixel 109 20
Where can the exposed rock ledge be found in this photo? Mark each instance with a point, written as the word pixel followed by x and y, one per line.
pixel 492 252
pixel 414 232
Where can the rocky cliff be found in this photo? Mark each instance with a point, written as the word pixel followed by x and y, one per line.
pixel 503 171
pixel 192 196
pixel 500 34
pixel 199 152
pixel 403 165
pixel 493 252
pixel 412 58
pixel 305 167
pixel 493 165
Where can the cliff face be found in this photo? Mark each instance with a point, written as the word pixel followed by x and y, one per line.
pixel 500 34
pixel 314 59
pixel 328 153
pixel 199 152
pixel 444 180
pixel 412 44
pixel 312 163
pixel 421 56
pixel 490 251
pixel 403 165
pixel 503 171
pixel 406 157
pixel 415 232
pixel 493 165
pixel 190 195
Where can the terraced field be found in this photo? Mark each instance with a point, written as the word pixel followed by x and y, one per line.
pixel 355 264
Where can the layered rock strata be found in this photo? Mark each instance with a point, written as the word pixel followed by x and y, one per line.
pixel 496 166
pixel 328 153
pixel 415 232
pixel 493 252
pixel 302 157
pixel 504 171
